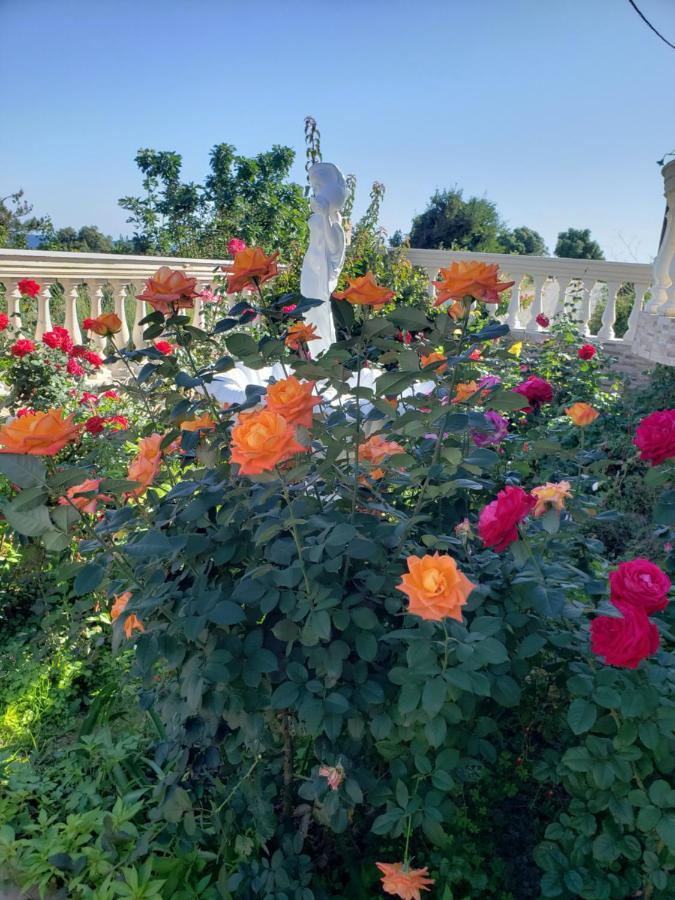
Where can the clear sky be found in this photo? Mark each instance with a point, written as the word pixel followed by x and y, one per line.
pixel 555 109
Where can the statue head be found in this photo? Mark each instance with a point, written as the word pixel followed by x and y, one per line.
pixel 329 183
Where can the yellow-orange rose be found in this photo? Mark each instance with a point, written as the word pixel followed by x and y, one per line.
pixel 293 400
pixel 365 291
pixel 465 390
pixel 250 268
pixel 169 290
pixel 199 423
pixel 582 414
pixel 435 357
pixel 39 433
pixel 403 881
pixel 470 279
pixel 261 440
pixel 376 449
pixel 299 334
pixel 551 495
pixel 85 504
pixel 145 465
pixel 104 325
pixel 435 587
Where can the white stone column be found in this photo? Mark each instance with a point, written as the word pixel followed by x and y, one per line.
pixel 640 291
pixel 95 291
pixel 198 313
pixel 120 295
pixel 13 298
pixel 44 315
pixel 584 307
pixel 663 291
pixel 71 322
pixel 432 273
pixel 536 307
pixel 140 313
pixel 563 284
pixel 606 332
pixel 512 318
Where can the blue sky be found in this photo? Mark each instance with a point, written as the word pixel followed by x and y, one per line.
pixel 555 110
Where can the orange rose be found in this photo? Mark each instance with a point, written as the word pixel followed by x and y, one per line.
pixel 169 290
pixel 119 605
pixel 432 358
pixel 470 279
pixel 85 504
pixel 250 268
pixel 145 465
pixel 365 291
pixel 582 414
pixel 465 390
pixel 132 623
pixel 261 440
pixel 435 587
pixel 200 423
pixel 300 334
pixel 376 449
pixel 403 882
pixel 551 496
pixel 39 433
pixel 105 325
pixel 293 400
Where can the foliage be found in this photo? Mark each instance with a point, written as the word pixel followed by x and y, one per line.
pixel 577 243
pixel 16 222
pixel 87 239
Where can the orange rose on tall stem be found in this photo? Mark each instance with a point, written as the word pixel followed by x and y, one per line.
pixel 251 268
pixel 376 449
pixel 89 503
pixel 169 290
pixel 39 433
pixel 470 279
pixel 199 423
pixel 299 334
pixel 582 414
pixel 433 357
pixel 365 291
pixel 261 440
pixel 465 390
pixel 435 587
pixel 294 400
pixel 401 881
pixel 145 465
pixel 104 325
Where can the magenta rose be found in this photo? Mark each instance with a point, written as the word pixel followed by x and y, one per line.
pixel 655 436
pixel 235 245
pixel 536 391
pixel 498 521
pixel 499 428
pixel 640 583
pixel 624 641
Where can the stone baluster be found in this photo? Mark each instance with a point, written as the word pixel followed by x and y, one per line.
pixel 70 294
pixel 606 331
pixel 120 295
pixel 640 291
pixel 13 299
pixel 512 317
pixel 95 290
pixel 563 284
pixel 140 313
pixel 537 306
pixel 584 311
pixel 198 313
pixel 432 272
pixel 663 290
pixel 44 315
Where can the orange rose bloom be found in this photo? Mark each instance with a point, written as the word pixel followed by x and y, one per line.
pixel 432 358
pixel 403 882
pixel 119 605
pixel 376 449
pixel 261 440
pixel 169 290
pixel 200 423
pixel 365 291
pixel 132 623
pixel 582 414
pixel 300 334
pixel 465 389
pixel 145 465
pixel 470 279
pixel 85 504
pixel 435 587
pixel 105 325
pixel 551 496
pixel 250 268
pixel 39 433
pixel 293 400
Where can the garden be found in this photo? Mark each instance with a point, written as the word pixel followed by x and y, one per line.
pixel 396 624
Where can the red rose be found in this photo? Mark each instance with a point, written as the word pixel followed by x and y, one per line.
pixel 24 411
pixel 235 245
pixel 498 521
pixel 624 641
pixel 655 436
pixel 289 308
pixel 536 390
pixel 78 351
pixel 22 348
pixel 121 421
pixel 88 399
pixel 588 351
pixel 640 583
pixel 111 395
pixel 51 339
pixel 543 320
pixel 95 424
pixel 89 324
pixel 164 347
pixel 74 368
pixel 29 288
pixel 93 359
pixel 4 321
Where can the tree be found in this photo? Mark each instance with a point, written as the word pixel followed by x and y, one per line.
pixel 244 197
pixel 524 241
pixel 16 223
pixel 88 239
pixel 576 243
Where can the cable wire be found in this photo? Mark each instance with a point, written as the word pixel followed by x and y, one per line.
pixel 649 24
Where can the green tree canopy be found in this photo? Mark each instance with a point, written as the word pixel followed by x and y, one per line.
pixel 16 222
pixel 245 197
pixel 87 239
pixel 576 243
pixel 524 241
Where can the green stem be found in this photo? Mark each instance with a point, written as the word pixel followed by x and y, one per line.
pixel 294 532
pixel 407 842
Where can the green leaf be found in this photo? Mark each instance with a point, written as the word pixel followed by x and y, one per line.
pixel 648 818
pixel 434 696
pixel 23 470
pixel 659 792
pixel 30 522
pixel 241 345
pixel 607 697
pixel 666 831
pixel 88 578
pixel 225 613
pixel 409 697
pixel 605 848
pixel 581 715
pixel 285 695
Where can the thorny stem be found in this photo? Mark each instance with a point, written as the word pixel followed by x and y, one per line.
pixel 294 532
pixel 288 762
pixel 238 785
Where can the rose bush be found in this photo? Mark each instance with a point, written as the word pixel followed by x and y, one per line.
pixel 347 612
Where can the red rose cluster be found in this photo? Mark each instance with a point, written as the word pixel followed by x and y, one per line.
pixel 655 436
pixel 97 424
pixel 637 589
pixel 4 321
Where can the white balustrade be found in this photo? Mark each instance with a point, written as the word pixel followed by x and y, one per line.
pixel 536 308
pixel 44 316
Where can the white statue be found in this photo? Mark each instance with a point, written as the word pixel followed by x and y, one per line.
pixel 325 255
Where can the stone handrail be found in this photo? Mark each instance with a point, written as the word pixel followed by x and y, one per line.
pixel 555 281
